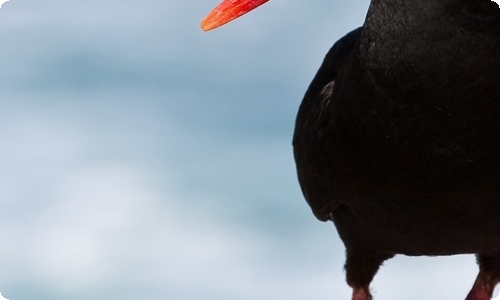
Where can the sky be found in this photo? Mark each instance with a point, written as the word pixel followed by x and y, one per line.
pixel 142 158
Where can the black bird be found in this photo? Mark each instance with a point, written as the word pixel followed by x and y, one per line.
pixel 397 140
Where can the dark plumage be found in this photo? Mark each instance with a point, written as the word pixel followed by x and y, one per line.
pixel 397 140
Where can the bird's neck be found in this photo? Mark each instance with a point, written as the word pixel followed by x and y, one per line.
pixel 403 16
pixel 399 35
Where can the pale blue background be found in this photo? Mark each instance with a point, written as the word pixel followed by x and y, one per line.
pixel 141 158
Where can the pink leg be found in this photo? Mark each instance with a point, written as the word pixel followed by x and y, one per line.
pixel 361 294
pixel 483 287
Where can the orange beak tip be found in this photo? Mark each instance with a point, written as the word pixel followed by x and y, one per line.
pixel 227 11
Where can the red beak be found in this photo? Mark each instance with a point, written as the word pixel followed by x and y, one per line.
pixel 227 11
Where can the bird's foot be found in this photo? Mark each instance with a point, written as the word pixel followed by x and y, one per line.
pixel 362 294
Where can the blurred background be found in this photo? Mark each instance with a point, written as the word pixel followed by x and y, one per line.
pixel 141 158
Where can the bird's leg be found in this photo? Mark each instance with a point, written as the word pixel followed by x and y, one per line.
pixel 361 294
pixel 360 269
pixel 487 279
pixel 480 290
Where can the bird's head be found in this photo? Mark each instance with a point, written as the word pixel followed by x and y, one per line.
pixel 227 11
